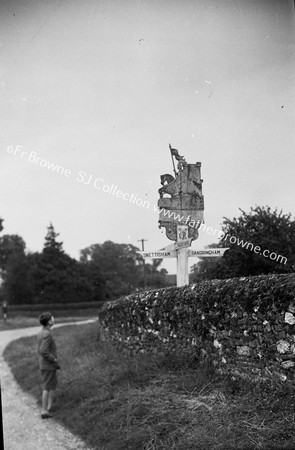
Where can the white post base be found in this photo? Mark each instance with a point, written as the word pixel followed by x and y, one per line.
pixel 182 267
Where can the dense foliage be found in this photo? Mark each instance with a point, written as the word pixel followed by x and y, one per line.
pixel 105 271
pixel 272 231
pixel 10 245
pixel 50 276
pixel 122 268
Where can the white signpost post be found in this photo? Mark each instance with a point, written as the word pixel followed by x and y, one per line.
pixel 182 244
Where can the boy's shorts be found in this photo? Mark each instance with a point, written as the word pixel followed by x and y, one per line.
pixel 49 380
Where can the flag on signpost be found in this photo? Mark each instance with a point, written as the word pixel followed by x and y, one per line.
pixel 175 153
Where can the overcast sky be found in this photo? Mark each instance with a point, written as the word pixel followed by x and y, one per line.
pixel 102 87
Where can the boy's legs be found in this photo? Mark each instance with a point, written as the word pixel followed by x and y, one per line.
pixel 45 396
pixel 49 386
pixel 50 399
pixel 47 400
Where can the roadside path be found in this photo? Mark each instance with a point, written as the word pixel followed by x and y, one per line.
pixel 22 425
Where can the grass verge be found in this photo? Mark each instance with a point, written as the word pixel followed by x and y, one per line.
pixel 18 319
pixel 117 402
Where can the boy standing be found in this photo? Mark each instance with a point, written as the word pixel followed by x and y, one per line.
pixel 48 363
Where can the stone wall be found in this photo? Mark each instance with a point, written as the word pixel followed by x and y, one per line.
pixel 245 326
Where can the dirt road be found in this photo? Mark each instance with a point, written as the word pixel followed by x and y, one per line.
pixel 23 427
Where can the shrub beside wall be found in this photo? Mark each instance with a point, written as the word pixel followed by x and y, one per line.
pixel 244 326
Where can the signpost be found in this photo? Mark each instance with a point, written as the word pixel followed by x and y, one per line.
pixel 197 253
pixel 182 255
pixel 181 208
pixel 181 212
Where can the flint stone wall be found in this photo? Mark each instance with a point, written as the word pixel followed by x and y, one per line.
pixel 244 326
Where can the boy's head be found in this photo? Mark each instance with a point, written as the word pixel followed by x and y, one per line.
pixel 45 318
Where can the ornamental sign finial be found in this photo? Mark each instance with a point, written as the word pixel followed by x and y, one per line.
pixel 181 201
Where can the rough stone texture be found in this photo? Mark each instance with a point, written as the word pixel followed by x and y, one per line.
pixel 243 325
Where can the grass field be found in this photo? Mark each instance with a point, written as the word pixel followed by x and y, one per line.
pixel 115 402
pixel 17 319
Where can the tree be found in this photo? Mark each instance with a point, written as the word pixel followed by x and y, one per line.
pixel 58 278
pixel 17 286
pixel 203 269
pixel 118 263
pixel 261 242
pixel 10 244
pixel 92 277
pixel 51 245
pixel 13 268
pixel 51 270
pixel 155 278
pixel 51 276
pixel 122 268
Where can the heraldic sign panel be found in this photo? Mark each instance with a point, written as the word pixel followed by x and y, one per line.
pixel 181 200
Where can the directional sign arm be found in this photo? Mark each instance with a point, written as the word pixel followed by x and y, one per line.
pixel 159 254
pixel 207 252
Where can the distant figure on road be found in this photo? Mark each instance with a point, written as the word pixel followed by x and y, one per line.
pixel 48 363
pixel 4 310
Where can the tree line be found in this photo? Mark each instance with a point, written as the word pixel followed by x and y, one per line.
pixel 110 270
pixel 104 272
pixel 269 229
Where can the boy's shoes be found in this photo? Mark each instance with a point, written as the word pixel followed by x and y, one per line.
pixel 46 415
